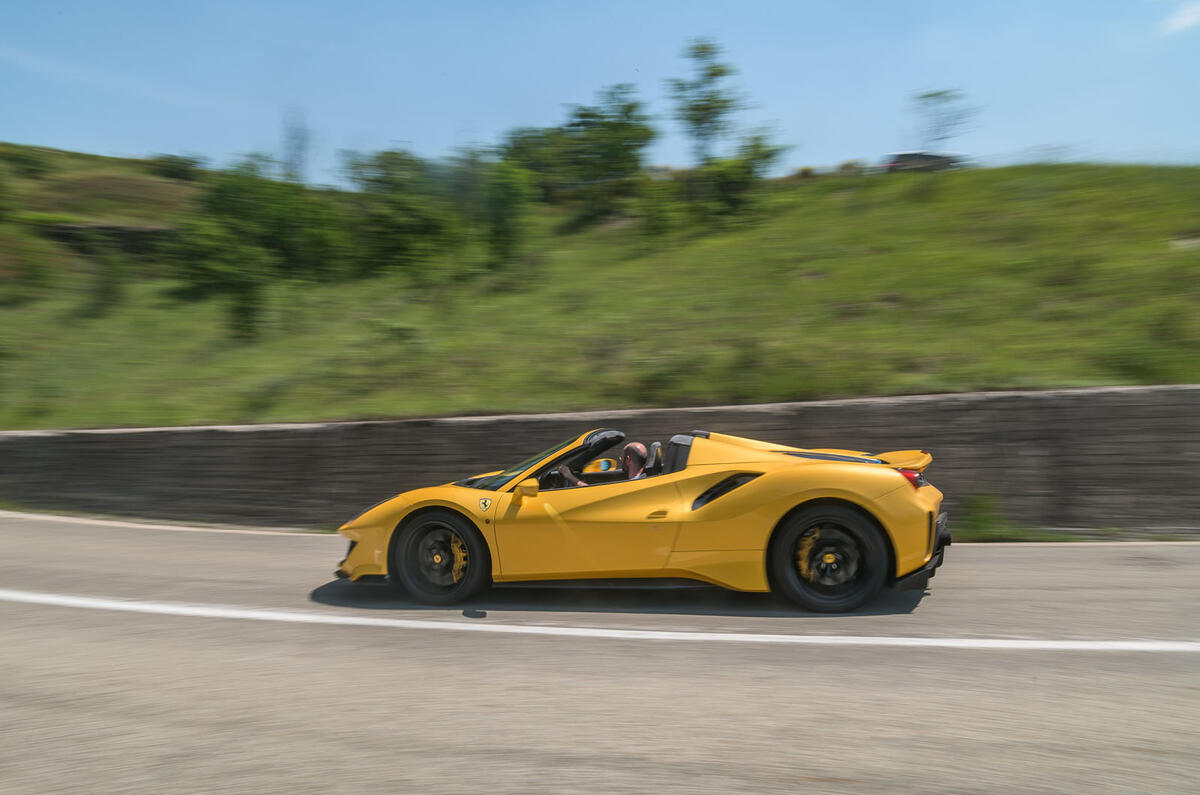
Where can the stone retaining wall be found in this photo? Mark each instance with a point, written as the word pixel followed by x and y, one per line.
pixel 1091 458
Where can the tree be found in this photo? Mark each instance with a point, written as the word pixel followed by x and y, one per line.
pixel 4 196
pixel 508 192
pixel 295 145
pixel 604 145
pixel 703 104
pixel 461 179
pixel 107 288
pixel 187 168
pixel 724 184
pixel 213 259
pixel 941 116
pixel 26 161
pixel 302 229
pixel 593 158
pixel 400 220
pixel 389 172
pixel 542 151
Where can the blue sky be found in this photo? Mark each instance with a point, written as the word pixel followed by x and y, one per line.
pixel 1102 79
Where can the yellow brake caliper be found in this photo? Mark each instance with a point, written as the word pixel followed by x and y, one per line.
pixel 460 557
pixel 803 549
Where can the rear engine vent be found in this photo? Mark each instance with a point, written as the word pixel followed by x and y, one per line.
pixel 853 459
pixel 722 488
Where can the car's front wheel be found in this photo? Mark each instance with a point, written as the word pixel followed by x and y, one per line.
pixel 828 558
pixel 441 559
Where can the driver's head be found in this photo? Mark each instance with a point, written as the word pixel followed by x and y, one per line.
pixel 634 458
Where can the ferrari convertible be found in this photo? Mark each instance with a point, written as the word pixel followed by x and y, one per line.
pixel 827 529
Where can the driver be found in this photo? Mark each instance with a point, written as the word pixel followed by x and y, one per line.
pixel 633 456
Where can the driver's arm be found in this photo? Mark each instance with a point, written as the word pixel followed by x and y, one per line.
pixel 570 476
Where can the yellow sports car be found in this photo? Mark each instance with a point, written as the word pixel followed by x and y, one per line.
pixel 825 528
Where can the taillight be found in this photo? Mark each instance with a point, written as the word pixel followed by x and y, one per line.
pixel 917 479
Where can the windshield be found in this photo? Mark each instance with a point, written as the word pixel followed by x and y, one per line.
pixel 494 482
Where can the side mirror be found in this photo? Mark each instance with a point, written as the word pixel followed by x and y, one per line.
pixel 527 488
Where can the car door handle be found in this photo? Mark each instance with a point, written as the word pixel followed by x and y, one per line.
pixel 659 514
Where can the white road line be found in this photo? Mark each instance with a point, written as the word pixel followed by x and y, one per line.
pixel 177 528
pixel 1072 544
pixel 299 617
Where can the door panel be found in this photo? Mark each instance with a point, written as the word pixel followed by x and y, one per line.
pixel 610 529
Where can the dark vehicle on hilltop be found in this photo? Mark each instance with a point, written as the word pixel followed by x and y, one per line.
pixel 921 161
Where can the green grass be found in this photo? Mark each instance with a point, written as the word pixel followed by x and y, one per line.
pixel 112 196
pixel 95 188
pixel 981 522
pixel 1022 277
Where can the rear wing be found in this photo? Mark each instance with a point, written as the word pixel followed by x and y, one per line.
pixel 915 460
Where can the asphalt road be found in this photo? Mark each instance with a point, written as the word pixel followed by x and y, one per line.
pixel 235 663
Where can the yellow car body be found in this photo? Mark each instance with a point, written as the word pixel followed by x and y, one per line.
pixel 659 525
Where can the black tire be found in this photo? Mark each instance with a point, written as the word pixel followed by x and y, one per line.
pixel 441 559
pixel 828 559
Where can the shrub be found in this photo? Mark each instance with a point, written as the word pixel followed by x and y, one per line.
pixel 26 162
pixel 656 206
pixel 5 207
pixel 107 286
pixel 245 311
pixel 399 220
pixel 25 266
pixel 509 189
pixel 303 231
pixel 211 258
pixel 722 186
pixel 180 167
pixel 851 168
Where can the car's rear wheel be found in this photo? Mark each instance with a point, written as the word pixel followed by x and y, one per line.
pixel 828 558
pixel 441 559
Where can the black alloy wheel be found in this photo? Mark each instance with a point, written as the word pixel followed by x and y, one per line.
pixel 828 558
pixel 441 559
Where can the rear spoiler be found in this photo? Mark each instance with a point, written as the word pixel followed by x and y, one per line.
pixel 915 460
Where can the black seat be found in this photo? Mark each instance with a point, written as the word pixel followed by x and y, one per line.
pixel 676 456
pixel 654 459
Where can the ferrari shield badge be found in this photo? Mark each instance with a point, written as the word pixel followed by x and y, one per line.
pixel 485 503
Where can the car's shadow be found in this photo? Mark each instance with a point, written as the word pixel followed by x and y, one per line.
pixel 698 599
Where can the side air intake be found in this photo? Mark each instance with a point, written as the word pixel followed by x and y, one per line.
pixel 723 487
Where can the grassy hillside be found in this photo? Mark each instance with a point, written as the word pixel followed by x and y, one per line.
pixel 83 187
pixel 1032 276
